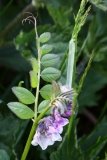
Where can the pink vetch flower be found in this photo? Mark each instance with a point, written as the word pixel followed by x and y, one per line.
pixel 50 128
pixel 59 120
pixel 64 102
pixel 65 108
pixel 48 131
pixel 68 111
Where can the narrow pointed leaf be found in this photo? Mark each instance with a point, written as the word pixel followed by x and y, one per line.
pixel 63 153
pixel 21 110
pixel 24 95
pixel 46 92
pixel 49 60
pixel 50 74
pixel 35 65
pixel 43 105
pixel 33 79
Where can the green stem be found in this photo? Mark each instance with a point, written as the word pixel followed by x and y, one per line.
pixel 70 82
pixel 28 143
pixel 39 56
pixel 37 93
pixel 43 112
pixel 72 65
pixel 32 132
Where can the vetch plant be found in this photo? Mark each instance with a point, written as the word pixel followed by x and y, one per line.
pixel 50 128
pixel 59 100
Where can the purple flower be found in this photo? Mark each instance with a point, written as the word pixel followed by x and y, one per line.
pixel 65 109
pixel 64 102
pixel 48 131
pixel 68 111
pixel 50 128
pixel 59 120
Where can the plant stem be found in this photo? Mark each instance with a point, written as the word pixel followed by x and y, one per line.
pixel 28 143
pixel 39 56
pixel 32 132
pixel 79 21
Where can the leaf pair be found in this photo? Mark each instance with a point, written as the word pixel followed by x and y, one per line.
pixel 20 109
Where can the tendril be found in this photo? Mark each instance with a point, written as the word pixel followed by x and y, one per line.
pixel 29 18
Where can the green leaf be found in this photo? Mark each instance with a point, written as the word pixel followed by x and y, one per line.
pixel 49 60
pixel 21 110
pixel 57 12
pixel 4 155
pixel 50 74
pixel 91 145
pixel 45 37
pixel 8 126
pixel 11 57
pixel 89 96
pixel 46 92
pixel 34 64
pixel 33 79
pixel 94 150
pixel 46 48
pixel 43 105
pixel 24 95
pixel 24 42
pixel 62 153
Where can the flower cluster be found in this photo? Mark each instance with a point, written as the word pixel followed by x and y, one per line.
pixel 50 128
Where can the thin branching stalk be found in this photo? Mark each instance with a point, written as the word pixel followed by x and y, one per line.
pixel 39 56
pixel 79 22
pixel 28 143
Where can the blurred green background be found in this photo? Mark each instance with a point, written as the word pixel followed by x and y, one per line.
pixel 18 45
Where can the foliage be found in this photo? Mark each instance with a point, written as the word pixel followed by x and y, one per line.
pixel 18 56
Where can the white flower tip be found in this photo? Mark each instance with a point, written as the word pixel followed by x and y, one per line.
pixel 34 143
pixel 65 88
